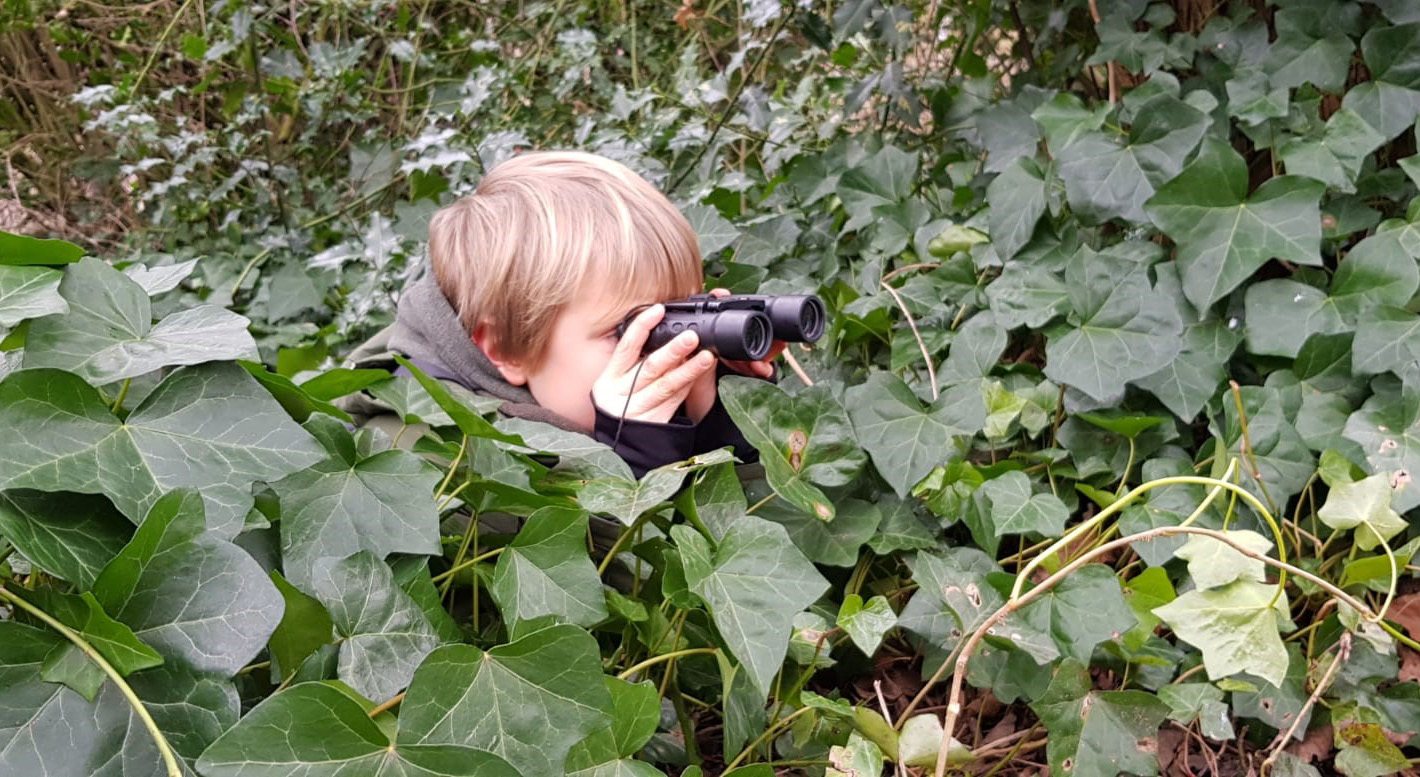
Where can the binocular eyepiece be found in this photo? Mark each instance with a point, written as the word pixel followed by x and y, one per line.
pixel 742 326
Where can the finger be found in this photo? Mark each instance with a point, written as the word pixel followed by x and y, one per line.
pixel 663 359
pixel 719 292
pixel 628 349
pixel 676 384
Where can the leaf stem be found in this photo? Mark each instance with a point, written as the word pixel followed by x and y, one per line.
pixel 1017 602
pixel 755 507
pixel 769 734
pixel 1343 652
pixel 453 468
pixel 451 571
pixel 630 532
pixel 653 660
pixel 122 394
pixel 1247 444
pixel 387 705
pixel 164 749
pixel 926 355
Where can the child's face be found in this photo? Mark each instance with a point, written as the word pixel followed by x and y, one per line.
pixel 583 338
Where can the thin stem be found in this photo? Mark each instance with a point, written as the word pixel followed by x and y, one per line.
pixel 755 507
pixel 451 571
pixel 169 759
pixel 1017 602
pixel 158 47
pixel 453 468
pixel 653 660
pixel 622 540
pixel 926 355
pixel 889 275
pixel 1343 652
pixel 768 735
pixel 468 535
pixel 387 705
pixel 122 394
pixel 796 367
pixel 1247 444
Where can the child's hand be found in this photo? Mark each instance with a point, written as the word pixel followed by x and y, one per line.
pixel 665 379
pixel 702 394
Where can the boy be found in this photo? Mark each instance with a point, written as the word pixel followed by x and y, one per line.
pixel 529 277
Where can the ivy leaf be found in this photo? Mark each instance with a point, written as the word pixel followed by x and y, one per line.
pixel 1280 453
pixel 115 642
pixel 383 633
pixel 1027 295
pixel 1366 752
pixel 1310 48
pixel 1364 505
pixel 1282 314
pixel 1121 328
pixel 866 624
pixel 627 499
pixel 884 178
pixel 1231 625
pixel 29 292
pixel 162 278
pixel 1336 156
pixel 1016 510
pixel 1390 100
pixel 304 628
pixel 23 250
pixel 1111 176
pixel 577 454
pixel 1017 198
pixel 190 594
pixel 1085 609
pixel 1201 702
pixel 715 234
pixel 1099 733
pixel 805 442
pixel 51 730
pixel 354 501
pixel 904 440
pixel 753 582
pixel 1212 563
pixel 70 536
pixel 528 701
pixel 1223 235
pixel 859 757
pixel 1387 427
pixel 209 427
pixel 335 736
pixel 545 570
pixel 834 543
pixel 635 711
pixel 108 333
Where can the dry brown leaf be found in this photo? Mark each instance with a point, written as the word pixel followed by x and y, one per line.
pixel 1317 744
pixel 1409 665
pixel 1405 610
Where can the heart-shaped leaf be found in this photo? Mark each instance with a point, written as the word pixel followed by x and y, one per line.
pixel 805 441
pixel 108 333
pixel 754 582
pixel 545 570
pixel 354 500
pixel 383 633
pixel 209 427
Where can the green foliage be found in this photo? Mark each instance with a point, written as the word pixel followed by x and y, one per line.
pixel 1063 260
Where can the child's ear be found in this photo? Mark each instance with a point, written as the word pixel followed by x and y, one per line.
pixel 511 370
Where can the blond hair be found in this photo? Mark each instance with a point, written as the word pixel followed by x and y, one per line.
pixel 539 227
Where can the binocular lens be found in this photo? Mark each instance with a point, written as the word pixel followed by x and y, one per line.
pixel 758 337
pixel 798 318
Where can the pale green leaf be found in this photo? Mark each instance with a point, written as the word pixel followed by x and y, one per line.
pixel 545 571
pixel 1236 627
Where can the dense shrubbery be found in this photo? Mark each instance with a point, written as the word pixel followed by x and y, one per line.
pixel 1111 440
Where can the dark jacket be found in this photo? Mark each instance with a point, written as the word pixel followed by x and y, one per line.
pixel 429 334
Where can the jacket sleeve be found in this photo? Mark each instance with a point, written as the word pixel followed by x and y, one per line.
pixel 646 445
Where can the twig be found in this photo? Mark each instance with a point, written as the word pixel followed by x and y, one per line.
pixel 882 705
pixel 926 355
pixel 451 571
pixel 158 47
pixel 1113 82
pixel 1247 444
pixel 387 705
pixel 1343 652
pixel 796 367
pixel 1016 603
pixel 734 98
pixel 887 276
pixel 653 660
pixel 164 749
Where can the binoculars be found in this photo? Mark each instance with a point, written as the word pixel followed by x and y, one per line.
pixel 741 326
